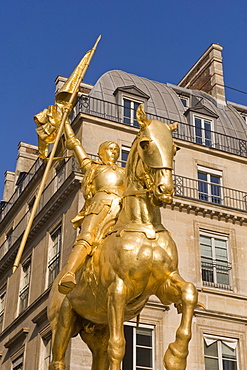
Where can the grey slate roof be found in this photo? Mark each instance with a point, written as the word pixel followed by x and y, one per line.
pixel 165 102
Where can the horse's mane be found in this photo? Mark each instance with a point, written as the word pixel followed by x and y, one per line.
pixel 132 163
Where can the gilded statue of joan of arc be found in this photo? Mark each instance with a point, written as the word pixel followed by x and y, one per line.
pixel 102 188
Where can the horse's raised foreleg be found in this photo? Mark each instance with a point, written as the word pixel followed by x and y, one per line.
pixel 185 296
pixel 116 304
pixel 97 341
pixel 62 330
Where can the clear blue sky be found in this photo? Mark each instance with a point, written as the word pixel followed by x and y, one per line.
pixel 157 39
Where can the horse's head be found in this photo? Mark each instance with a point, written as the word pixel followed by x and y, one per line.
pixel 157 149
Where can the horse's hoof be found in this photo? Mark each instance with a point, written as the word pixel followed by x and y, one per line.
pixel 173 359
pixel 67 283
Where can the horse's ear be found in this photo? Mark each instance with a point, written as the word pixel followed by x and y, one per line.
pixel 141 116
pixel 173 126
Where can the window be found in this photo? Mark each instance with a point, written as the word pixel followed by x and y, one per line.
pixel 124 155
pixel 18 363
pixel 203 131
pixel 25 284
pixel 139 353
pixel 129 114
pixel 60 175
pixel 9 238
pixel 215 263
pixel 54 254
pixel 184 100
pixel 2 306
pixel 244 116
pixel 209 185
pixel 46 352
pixel 220 353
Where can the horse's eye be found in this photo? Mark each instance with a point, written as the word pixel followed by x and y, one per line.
pixel 144 144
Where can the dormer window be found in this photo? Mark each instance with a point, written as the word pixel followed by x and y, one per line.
pixel 244 116
pixel 129 114
pixel 184 101
pixel 203 130
pixel 202 121
pixel 128 99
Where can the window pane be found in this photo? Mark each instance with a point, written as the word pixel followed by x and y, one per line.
pixel 144 337
pixel 124 157
pixel 136 105
pixel 211 364
pixel 222 278
pixel 229 365
pixel 184 101
pixel 208 135
pixel 228 352
pixel 198 127
pixel 128 357
pixel 143 357
pixel 211 350
pixel 127 112
pixel 206 250
pixel 202 186
pixel 221 253
pixel 202 176
pixel 205 239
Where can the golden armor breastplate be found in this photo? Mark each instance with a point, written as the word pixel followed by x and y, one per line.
pixel 107 177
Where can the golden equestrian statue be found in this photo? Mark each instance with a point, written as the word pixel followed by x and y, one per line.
pixel 123 254
pixel 137 257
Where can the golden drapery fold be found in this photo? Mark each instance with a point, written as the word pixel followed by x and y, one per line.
pixel 48 121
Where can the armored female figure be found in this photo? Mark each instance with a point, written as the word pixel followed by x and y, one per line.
pixel 102 189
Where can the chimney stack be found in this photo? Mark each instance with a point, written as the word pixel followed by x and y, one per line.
pixel 207 74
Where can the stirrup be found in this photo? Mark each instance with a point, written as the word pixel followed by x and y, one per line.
pixel 67 283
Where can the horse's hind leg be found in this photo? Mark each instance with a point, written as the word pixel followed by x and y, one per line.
pixel 63 329
pixel 184 295
pixel 116 305
pixel 97 340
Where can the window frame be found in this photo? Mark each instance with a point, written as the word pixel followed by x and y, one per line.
pixel 135 345
pixel 132 118
pixel 219 340
pixel 25 285
pixel 46 351
pixel 210 184
pixel 16 362
pixel 54 258
pixel 124 149
pixel 3 293
pixel 186 99
pixel 203 130
pixel 220 236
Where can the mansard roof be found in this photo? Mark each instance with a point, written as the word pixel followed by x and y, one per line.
pixel 163 100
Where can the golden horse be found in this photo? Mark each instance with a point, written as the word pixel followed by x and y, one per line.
pixel 137 259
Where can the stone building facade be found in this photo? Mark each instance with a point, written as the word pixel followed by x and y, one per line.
pixel 208 221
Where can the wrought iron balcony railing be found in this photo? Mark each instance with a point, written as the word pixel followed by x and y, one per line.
pixel 114 112
pixel 210 193
pixel 184 187
pixel 215 274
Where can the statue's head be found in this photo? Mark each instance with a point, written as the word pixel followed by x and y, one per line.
pixel 109 152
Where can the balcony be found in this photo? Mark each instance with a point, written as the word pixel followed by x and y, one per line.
pixel 221 196
pixel 113 112
pixel 215 274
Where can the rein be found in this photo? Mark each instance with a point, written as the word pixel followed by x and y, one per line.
pixel 135 192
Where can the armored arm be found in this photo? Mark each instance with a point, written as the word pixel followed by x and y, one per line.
pixel 72 143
